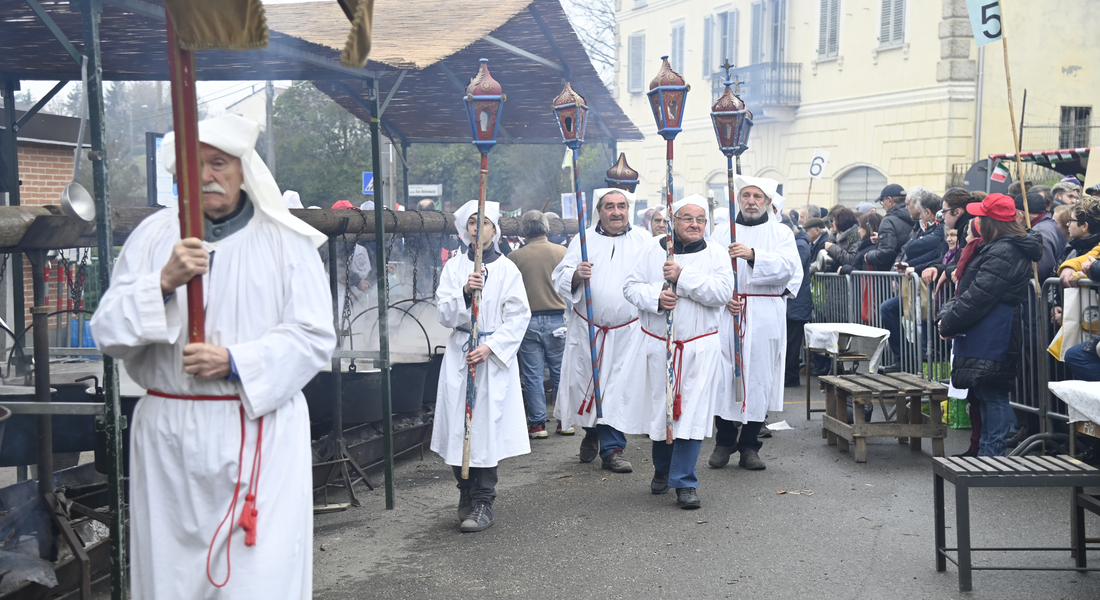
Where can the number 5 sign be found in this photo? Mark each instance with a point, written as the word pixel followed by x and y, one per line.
pixel 817 165
pixel 985 18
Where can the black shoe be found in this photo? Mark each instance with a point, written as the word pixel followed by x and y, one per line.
pixel 821 372
pixel 894 367
pixel 792 383
pixel 687 499
pixel 590 447
pixel 966 454
pixel 480 518
pixel 765 433
pixel 750 460
pixel 465 504
pixel 659 484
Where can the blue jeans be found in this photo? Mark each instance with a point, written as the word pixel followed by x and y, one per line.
pixel 891 321
pixel 611 439
pixel 678 459
pixel 1084 362
pixel 538 350
pixel 996 420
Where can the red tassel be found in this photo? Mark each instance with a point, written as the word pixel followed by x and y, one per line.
pixel 676 408
pixel 248 520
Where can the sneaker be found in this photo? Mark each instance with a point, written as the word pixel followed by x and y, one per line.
pixel 616 463
pixel 479 519
pixel 687 498
pixel 720 457
pixel 765 432
pixel 537 432
pixel 590 447
pixel 750 460
pixel 561 431
pixel 465 504
pixel 659 484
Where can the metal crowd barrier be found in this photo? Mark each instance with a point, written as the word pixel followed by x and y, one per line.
pixel 859 297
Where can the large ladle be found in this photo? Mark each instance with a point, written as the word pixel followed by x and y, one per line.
pixel 75 200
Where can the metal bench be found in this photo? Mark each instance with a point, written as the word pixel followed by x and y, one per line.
pixel 1016 471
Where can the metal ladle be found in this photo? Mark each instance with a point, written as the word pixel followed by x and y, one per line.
pixel 75 200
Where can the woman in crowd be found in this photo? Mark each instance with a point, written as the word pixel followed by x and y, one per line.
pixel 846 236
pixel 868 232
pixel 984 319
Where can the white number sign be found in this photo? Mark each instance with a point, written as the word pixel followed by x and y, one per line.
pixel 985 18
pixel 817 165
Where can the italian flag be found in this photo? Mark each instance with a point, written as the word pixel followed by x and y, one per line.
pixel 1000 172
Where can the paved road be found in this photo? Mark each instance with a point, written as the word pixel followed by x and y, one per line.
pixel 569 530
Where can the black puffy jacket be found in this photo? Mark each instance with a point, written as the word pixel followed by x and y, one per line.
pixel 893 233
pixel 998 273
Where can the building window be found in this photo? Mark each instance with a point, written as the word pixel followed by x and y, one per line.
pixel 727 38
pixel 635 76
pixel 708 46
pixel 828 39
pixel 891 30
pixel 756 39
pixel 676 54
pixel 1073 130
pixel 861 184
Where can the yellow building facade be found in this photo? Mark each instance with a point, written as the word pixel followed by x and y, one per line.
pixel 888 87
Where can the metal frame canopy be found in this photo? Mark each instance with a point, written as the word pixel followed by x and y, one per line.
pixel 1068 161
pixel 419 59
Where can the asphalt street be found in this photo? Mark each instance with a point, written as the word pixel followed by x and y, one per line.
pixel 569 530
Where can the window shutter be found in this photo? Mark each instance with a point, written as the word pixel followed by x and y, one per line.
pixel 823 29
pixel 885 22
pixel 636 69
pixel 834 28
pixel 731 37
pixel 899 21
pixel 755 41
pixel 676 56
pixel 708 45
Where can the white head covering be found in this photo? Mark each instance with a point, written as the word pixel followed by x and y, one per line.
pixel 292 199
pixel 777 203
pixel 462 215
pixel 768 186
pixel 721 216
pixel 368 205
pixel 695 200
pixel 236 135
pixel 598 195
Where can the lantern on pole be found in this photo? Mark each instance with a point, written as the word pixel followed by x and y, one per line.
pixel 571 112
pixel 484 104
pixel 732 124
pixel 667 93
pixel 621 176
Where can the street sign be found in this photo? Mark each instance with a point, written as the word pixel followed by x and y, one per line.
pixel 985 19
pixel 435 189
pixel 368 183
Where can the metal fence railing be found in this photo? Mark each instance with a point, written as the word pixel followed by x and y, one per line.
pixel 862 297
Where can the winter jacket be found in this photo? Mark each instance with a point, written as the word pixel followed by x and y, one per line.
pixel 1079 247
pixel 926 247
pixel 998 274
pixel 844 246
pixel 800 308
pixel 817 247
pixel 893 232
pixel 1053 242
pixel 859 260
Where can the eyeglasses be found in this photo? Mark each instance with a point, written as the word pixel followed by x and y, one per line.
pixel 690 220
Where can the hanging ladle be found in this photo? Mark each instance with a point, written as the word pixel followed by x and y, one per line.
pixel 75 200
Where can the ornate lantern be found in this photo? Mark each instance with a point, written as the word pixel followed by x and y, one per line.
pixel 484 106
pixel 666 94
pixel 621 176
pixel 732 122
pixel 571 112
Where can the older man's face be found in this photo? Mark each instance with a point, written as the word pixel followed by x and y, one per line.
pixel 754 204
pixel 913 206
pixel 613 213
pixel 222 179
pixel 688 227
pixel 657 225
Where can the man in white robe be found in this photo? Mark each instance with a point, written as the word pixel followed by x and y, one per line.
pixel 499 424
pixel 221 455
pixel 769 271
pixel 703 282
pixel 613 246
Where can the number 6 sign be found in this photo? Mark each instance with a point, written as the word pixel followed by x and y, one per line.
pixel 817 165
pixel 985 18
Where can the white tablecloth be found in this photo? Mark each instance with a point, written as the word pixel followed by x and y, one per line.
pixel 871 341
pixel 1081 397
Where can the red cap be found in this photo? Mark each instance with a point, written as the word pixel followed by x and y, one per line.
pixel 346 204
pixel 995 206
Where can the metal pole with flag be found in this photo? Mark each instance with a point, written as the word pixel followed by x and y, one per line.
pixel 667 93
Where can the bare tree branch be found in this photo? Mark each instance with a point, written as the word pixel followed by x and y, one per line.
pixel 594 22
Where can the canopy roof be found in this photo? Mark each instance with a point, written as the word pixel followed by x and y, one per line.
pixel 1069 161
pixel 421 56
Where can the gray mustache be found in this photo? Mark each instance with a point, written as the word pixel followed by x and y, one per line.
pixel 213 188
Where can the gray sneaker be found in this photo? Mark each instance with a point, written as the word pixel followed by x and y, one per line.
pixel 616 463
pixel 479 519
pixel 590 447
pixel 750 460
pixel 720 457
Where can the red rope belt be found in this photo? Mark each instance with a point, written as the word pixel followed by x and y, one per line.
pixel 249 512
pixel 739 328
pixel 677 365
pixel 590 401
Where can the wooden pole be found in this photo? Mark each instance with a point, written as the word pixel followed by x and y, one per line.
pixel 1019 161
pixel 181 67
pixel 475 308
pixel 809 192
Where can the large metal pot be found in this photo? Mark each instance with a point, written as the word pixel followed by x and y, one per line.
pixel 361 400
pixel 407 386
pixel 20 443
